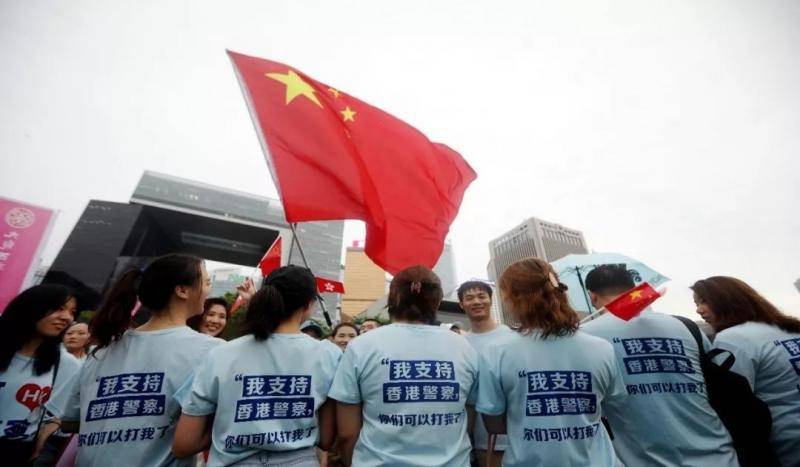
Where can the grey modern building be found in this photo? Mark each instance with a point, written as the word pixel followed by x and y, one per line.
pixel 225 280
pixel 168 214
pixel 797 284
pixel 534 237
pixel 445 268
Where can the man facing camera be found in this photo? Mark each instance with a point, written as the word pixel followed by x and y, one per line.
pixel 475 298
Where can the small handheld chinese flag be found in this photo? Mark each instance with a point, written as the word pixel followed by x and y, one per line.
pixel 329 286
pixel 632 302
pixel 272 259
pixel 335 157
pixel 237 304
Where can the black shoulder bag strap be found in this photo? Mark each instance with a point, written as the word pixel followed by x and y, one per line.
pixel 711 354
pixel 52 388
pixel 695 330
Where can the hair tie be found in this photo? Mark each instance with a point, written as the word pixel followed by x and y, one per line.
pixel 562 287
pixel 553 280
pixel 416 287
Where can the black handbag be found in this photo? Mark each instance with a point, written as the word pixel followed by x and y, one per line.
pixel 746 417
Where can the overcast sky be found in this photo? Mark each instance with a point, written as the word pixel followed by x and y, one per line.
pixel 665 130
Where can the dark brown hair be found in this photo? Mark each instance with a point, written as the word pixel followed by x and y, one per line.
pixel 734 302
pixel 414 295
pixel 18 325
pixel 537 303
pixel 154 287
pixel 285 291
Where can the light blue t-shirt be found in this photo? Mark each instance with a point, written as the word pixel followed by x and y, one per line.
pixel 413 381
pixel 264 394
pixel 769 358
pixel 667 419
pixel 22 392
pixel 551 391
pixel 123 397
pixel 479 342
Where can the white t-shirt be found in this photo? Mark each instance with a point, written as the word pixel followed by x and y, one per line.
pixel 264 394
pixel 769 358
pixel 123 397
pixel 414 381
pixel 22 392
pixel 479 342
pixel 551 391
pixel 667 420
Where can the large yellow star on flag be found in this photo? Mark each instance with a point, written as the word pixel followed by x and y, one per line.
pixel 295 86
pixel 636 295
pixel 348 114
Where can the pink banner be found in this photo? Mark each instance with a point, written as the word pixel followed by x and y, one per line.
pixel 23 228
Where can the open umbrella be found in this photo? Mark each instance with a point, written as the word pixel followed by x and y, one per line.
pixel 572 270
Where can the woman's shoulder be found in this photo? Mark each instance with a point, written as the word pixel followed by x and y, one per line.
pixel 750 332
pixel 327 349
pixel 200 342
pixel 582 337
pixel 67 360
pixel 751 337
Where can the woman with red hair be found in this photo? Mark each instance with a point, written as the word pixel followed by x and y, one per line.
pixel 546 385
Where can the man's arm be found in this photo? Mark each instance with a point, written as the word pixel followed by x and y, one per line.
pixel 495 424
pixel 192 435
pixel 348 421
pixel 327 425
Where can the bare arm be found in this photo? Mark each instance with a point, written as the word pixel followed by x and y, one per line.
pixel 495 424
pixel 348 421
pixel 327 425
pixel 192 435
pixel 44 433
pixel 471 414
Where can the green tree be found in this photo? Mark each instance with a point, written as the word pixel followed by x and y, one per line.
pixel 85 316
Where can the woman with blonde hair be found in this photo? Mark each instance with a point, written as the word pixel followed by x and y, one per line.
pixel 546 385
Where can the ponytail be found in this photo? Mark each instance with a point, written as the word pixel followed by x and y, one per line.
pixel 265 312
pixel 155 287
pixel 286 291
pixel 114 316
pixel 414 295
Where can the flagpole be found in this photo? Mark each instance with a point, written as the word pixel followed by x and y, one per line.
pixel 593 315
pixel 295 238
pixel 583 288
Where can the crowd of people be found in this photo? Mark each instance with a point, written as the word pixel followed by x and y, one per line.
pixel 546 391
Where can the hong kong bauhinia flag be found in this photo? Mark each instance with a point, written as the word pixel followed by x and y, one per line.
pixel 333 157
pixel 329 286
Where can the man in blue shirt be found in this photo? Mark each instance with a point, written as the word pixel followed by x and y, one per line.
pixel 667 420
pixel 475 298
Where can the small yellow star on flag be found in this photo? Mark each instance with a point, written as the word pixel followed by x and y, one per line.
pixel 334 92
pixel 348 114
pixel 295 86
pixel 636 295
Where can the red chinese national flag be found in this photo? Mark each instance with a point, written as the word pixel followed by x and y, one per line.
pixel 329 286
pixel 272 259
pixel 333 156
pixel 632 302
